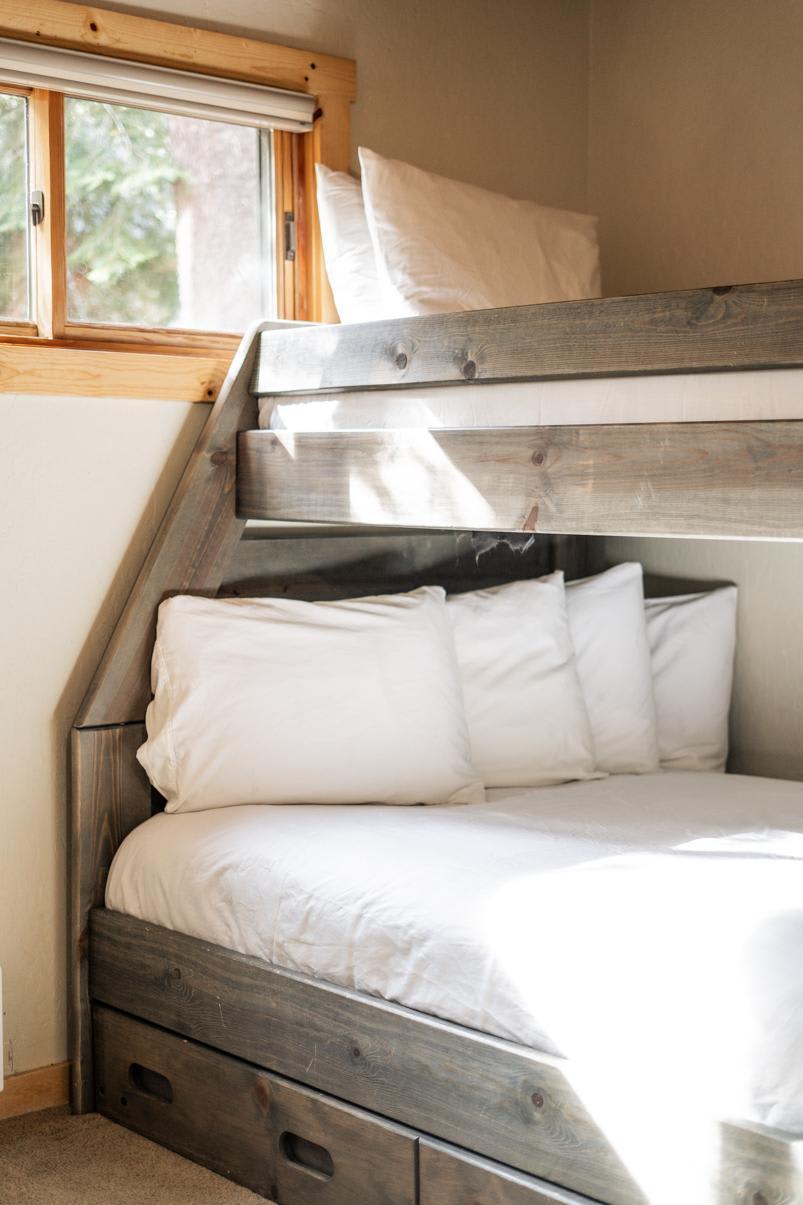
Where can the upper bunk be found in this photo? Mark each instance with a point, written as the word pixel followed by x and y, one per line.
pixel 668 414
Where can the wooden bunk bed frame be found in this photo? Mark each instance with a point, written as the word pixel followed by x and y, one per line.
pixel 308 1092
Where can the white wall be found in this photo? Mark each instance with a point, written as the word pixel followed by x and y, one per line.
pixel 491 94
pixel 696 170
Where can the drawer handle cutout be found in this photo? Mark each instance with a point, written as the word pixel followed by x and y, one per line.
pixel 150 1083
pixel 307 1155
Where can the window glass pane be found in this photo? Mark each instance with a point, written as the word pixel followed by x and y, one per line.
pixel 14 289
pixel 165 219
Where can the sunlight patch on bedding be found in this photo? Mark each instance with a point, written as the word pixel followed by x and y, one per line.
pixel 769 843
pixel 639 967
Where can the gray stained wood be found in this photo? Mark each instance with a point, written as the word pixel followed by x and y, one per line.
pixel 319 567
pixel 449 1176
pixel 504 1101
pixel 110 795
pixel 716 479
pixel 189 554
pixel 283 1141
pixel 743 326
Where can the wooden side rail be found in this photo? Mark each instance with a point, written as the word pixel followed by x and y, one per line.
pixel 501 1100
pixel 699 330
pixel 702 479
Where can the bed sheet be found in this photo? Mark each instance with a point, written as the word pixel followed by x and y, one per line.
pixel 649 928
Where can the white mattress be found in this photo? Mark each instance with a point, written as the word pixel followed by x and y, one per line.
pixel 648 927
pixel 683 397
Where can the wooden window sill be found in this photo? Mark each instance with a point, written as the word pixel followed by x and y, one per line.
pixel 69 367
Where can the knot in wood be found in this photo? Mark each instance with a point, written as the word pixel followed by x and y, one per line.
pixel 355 1052
pixel 469 370
pixel 759 1199
pixel 538 1100
pixel 175 972
pixel 538 458
pixel 401 360
pixel 219 458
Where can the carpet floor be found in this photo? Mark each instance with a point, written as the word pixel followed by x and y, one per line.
pixel 53 1158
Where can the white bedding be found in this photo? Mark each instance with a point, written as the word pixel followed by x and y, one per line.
pixel 648 927
pixel 683 397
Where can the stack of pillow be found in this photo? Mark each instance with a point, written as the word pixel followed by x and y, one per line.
pixel 419 698
pixel 408 242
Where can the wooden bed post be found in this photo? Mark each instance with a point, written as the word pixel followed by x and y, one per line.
pixel 110 795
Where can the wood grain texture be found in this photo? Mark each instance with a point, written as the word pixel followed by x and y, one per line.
pixel 30 1091
pixel 453 1177
pixel 716 479
pixel 322 566
pixel 417 1070
pixel 189 554
pixel 32 367
pixel 760 1166
pixel 746 326
pixel 109 796
pixel 49 238
pixel 246 1124
pixel 145 39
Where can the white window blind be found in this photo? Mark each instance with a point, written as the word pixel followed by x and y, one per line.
pixel 140 85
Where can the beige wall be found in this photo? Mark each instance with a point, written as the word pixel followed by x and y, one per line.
pixel 492 93
pixel 83 487
pixel 696 170
pixel 450 85
pixel 695 163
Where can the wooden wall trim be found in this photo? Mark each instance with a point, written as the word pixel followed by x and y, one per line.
pixel 146 39
pixel 684 479
pixel 30 1091
pixel 746 326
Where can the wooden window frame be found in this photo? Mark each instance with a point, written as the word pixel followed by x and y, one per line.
pixel 51 354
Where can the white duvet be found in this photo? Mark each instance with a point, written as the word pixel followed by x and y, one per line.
pixel 649 928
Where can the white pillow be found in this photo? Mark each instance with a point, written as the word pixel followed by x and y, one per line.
pixel 692 642
pixel 606 618
pixel 443 246
pixel 526 717
pixel 278 701
pixel 347 247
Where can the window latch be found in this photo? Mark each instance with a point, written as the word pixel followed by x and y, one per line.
pixel 289 236
pixel 37 207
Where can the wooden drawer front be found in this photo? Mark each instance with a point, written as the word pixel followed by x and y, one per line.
pixel 452 1177
pixel 287 1143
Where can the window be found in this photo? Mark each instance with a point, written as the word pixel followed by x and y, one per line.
pixel 169 220
pixel 157 195
pixel 15 300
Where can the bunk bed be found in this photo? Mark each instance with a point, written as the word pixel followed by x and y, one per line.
pixel 300 1089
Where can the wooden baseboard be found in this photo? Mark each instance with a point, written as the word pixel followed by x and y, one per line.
pixel 42 1088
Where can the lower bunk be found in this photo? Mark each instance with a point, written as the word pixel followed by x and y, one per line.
pixel 620 1041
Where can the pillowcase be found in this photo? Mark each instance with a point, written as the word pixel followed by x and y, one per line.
pixel 606 619
pixel 443 246
pixel 279 701
pixel 347 248
pixel 526 717
pixel 692 641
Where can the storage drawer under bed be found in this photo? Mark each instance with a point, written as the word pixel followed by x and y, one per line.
pixel 288 1143
pixel 452 1177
